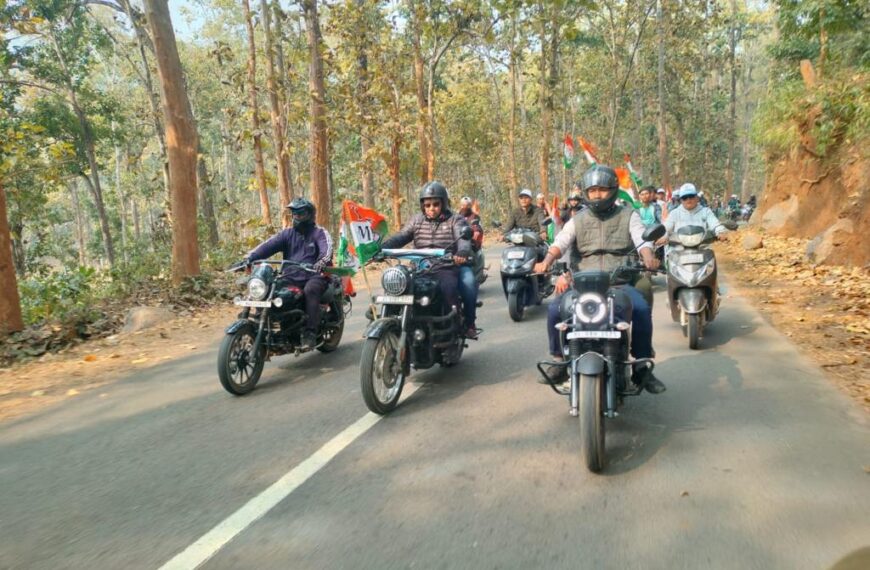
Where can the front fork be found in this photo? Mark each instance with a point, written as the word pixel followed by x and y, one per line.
pixel 404 360
pixel 260 332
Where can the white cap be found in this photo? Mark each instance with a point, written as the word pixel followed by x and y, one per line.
pixel 688 189
pixel 526 192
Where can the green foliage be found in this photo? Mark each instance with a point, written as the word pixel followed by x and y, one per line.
pixel 64 296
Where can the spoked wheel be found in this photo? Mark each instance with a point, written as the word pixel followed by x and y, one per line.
pixel 592 421
pixel 516 308
pixel 331 336
pixel 381 376
pixel 238 369
pixel 693 330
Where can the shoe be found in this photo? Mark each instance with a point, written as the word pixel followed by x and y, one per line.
pixel 308 341
pixel 471 333
pixel 652 384
pixel 556 374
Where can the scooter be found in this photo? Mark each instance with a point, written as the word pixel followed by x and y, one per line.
pixel 521 285
pixel 693 292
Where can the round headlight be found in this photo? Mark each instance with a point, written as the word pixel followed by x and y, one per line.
pixel 692 240
pixel 517 238
pixel 394 280
pixel 590 308
pixel 257 289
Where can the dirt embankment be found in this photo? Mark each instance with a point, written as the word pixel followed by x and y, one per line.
pixel 822 199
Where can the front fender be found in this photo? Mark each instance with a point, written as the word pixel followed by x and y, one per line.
pixel 515 285
pixel 692 301
pixel 591 364
pixel 238 325
pixel 379 326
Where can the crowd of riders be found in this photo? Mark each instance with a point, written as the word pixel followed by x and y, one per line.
pixel 597 228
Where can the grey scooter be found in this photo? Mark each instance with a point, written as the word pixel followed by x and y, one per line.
pixel 693 292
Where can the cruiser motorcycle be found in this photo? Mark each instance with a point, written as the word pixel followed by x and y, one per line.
pixel 413 329
pixel 271 322
pixel 522 287
pixel 693 291
pixel 595 343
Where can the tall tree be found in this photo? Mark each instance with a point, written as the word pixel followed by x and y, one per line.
pixel 182 142
pixel 256 133
pixel 10 302
pixel 318 142
pixel 662 120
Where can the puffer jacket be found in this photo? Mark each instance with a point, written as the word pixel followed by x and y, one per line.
pixel 440 233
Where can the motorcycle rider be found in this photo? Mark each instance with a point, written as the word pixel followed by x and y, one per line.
pixel 604 234
pixel 468 285
pixel 574 205
pixel 527 216
pixel 691 213
pixel 650 211
pixel 304 242
pixel 437 227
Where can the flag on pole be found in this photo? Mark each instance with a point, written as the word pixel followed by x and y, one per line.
pixel 626 193
pixel 568 152
pixel 362 230
pixel 634 175
pixel 588 151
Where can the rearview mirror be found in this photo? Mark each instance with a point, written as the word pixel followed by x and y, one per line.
pixel 655 232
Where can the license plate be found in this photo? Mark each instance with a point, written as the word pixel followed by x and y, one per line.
pixel 260 304
pixel 516 254
pixel 594 334
pixel 692 258
pixel 395 299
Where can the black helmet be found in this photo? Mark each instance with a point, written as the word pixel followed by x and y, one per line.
pixel 575 195
pixel 435 189
pixel 600 177
pixel 303 212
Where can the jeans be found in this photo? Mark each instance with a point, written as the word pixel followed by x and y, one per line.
pixel 468 292
pixel 640 318
pixel 448 281
pixel 313 289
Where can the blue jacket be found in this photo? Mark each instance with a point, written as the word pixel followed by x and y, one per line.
pixel 312 247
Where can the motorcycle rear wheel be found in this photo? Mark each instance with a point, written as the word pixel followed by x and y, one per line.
pixel 381 376
pixel 237 371
pixel 516 308
pixel 331 338
pixel 693 330
pixel 592 421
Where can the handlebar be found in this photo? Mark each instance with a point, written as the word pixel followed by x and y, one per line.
pixel 245 264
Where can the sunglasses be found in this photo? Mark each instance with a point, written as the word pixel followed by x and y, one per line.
pixel 684 198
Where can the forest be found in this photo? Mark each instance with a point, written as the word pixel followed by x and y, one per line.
pixel 143 142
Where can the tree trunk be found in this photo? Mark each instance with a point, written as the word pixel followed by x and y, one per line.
pixel 548 79
pixel 732 122
pixel 282 91
pixel 277 133
pixel 319 184
pixel 662 120
pixel 79 220
pixel 122 202
pixel 97 195
pixel 362 95
pixel 512 132
pixel 10 302
pixel 395 177
pixel 422 104
pixel 259 169
pixel 181 138
pixel 205 199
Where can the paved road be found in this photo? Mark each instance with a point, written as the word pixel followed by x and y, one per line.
pixel 749 460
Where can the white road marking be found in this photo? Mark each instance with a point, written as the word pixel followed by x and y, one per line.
pixel 211 542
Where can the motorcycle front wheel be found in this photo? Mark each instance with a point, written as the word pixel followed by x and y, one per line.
pixel 693 330
pixel 239 370
pixel 516 308
pixel 592 421
pixel 381 376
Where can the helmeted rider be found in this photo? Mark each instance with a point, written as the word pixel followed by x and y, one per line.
pixel 527 216
pixel 304 242
pixel 604 234
pixel 691 213
pixel 437 227
pixel 574 205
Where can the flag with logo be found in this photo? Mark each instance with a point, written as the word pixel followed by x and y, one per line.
pixel 362 230
pixel 568 152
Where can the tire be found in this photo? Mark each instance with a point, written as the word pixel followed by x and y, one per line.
pixel 331 338
pixel 693 330
pixel 237 372
pixel 380 359
pixel 516 308
pixel 592 421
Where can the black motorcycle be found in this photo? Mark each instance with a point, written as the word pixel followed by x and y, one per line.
pixel 595 344
pixel 413 328
pixel 522 286
pixel 271 323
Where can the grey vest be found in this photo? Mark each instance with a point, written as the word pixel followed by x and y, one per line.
pixel 603 243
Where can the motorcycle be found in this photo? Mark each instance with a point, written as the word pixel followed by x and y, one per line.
pixel 596 345
pixel 481 270
pixel 272 320
pixel 693 293
pixel 413 329
pixel 522 287
pixel 746 212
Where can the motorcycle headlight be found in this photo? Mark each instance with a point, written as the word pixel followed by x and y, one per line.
pixel 257 289
pixel 590 308
pixel 692 240
pixel 517 238
pixel 395 280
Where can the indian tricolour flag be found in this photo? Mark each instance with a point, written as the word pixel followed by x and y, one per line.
pixel 588 151
pixel 568 153
pixel 362 230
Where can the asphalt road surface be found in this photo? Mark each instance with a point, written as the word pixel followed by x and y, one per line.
pixel 751 459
